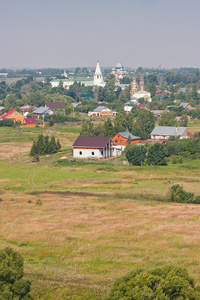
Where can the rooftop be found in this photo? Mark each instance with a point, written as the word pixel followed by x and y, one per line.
pixel 91 141
pixel 168 130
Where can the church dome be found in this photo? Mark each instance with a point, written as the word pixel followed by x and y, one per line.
pixel 119 66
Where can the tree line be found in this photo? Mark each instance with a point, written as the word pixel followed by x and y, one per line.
pixel 157 154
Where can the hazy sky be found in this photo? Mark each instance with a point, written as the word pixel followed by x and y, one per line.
pixel 70 33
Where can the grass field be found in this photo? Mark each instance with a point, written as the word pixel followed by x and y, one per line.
pixel 79 226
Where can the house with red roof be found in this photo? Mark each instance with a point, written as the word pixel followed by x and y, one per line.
pixel 143 106
pixel 15 116
pixel 95 147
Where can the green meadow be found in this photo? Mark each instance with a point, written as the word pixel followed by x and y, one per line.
pixel 79 226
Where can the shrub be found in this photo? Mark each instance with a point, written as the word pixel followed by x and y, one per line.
pixel 165 283
pixel 12 284
pixel 177 194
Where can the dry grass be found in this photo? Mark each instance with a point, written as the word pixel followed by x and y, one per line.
pixel 89 229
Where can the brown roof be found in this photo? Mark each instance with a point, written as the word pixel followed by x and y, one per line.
pixel 53 105
pixel 91 141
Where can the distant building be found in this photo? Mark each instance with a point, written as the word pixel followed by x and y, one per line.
pixel 98 77
pixel 44 112
pixel 186 106
pixel 101 111
pixel 165 132
pixel 181 90
pixel 87 81
pixel 143 106
pixel 14 116
pixel 121 139
pixel 95 147
pixel 119 71
pixel 27 109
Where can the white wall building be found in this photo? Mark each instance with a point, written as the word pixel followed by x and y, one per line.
pixel 95 147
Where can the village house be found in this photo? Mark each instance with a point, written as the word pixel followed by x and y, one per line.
pixel 44 112
pixel 183 90
pixel 14 116
pixel 121 139
pixel 101 111
pixel 186 106
pixel 26 109
pixel 28 123
pixel 165 132
pixel 93 147
pixel 143 106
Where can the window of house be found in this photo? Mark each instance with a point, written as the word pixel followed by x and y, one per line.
pixel 101 152
pixel 121 141
pixel 92 153
pixel 115 141
pixel 80 152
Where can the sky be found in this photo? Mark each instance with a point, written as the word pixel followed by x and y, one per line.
pixel 77 33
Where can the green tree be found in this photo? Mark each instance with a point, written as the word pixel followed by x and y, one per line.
pixel 136 155
pixel 145 122
pixel 52 145
pixel 120 122
pixel 156 155
pixel 164 283
pixel 12 284
pixel 183 121
pixel 167 119
pixel 87 128
pixel 33 149
pixel 109 128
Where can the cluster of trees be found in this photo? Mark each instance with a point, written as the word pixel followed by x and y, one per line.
pixel 44 145
pixel 138 155
pixel 139 122
pixel 12 283
pixel 156 154
pixel 164 283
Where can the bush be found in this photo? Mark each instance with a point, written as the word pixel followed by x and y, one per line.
pixel 12 284
pixel 165 283
pixel 177 194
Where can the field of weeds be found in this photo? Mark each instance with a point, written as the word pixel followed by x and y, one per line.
pixel 79 226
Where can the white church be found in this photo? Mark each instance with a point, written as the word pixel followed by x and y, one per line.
pixel 97 80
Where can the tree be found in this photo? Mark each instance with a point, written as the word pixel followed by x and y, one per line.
pixel 87 128
pixel 145 122
pixel 183 121
pixel 136 155
pixel 156 155
pixel 167 119
pixel 52 145
pixel 164 283
pixel 12 284
pixel 120 121
pixel 109 129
